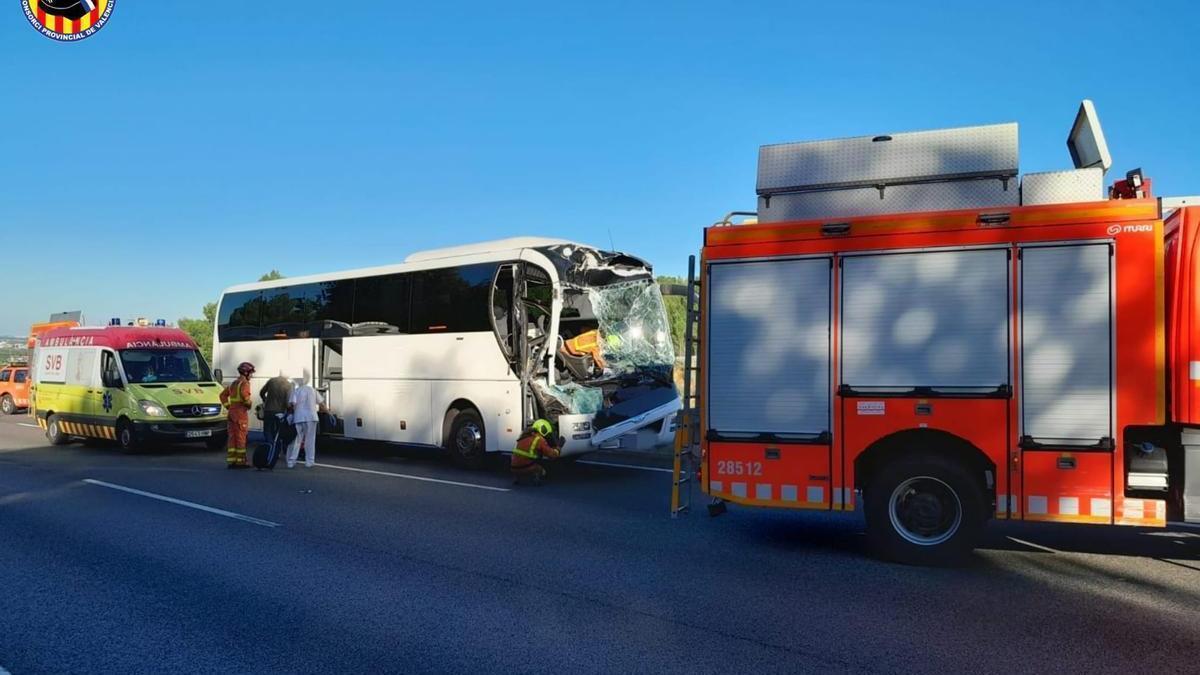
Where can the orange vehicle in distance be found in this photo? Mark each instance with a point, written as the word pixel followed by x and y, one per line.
pixel 14 388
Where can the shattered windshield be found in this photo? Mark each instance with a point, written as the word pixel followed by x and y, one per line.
pixel 634 333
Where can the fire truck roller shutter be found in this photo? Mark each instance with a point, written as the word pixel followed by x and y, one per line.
pixel 769 342
pixel 926 319
pixel 1066 343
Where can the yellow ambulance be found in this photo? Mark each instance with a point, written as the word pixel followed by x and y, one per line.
pixel 136 385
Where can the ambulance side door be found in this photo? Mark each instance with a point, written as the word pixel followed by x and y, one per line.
pixel 112 387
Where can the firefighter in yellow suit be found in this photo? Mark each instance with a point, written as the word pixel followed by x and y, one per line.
pixel 535 444
pixel 236 397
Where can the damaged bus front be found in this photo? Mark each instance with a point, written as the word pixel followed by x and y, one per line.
pixel 596 358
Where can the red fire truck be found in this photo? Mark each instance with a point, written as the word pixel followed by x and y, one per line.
pixel 911 329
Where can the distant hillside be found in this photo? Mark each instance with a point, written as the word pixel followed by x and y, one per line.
pixel 12 346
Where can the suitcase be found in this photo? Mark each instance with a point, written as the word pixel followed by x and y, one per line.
pixel 266 454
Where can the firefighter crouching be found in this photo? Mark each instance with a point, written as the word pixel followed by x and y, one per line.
pixel 236 397
pixel 535 444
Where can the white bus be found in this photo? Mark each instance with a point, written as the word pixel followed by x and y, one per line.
pixel 462 347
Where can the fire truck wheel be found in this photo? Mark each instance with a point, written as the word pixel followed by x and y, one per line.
pixel 54 432
pixel 924 510
pixel 7 406
pixel 466 442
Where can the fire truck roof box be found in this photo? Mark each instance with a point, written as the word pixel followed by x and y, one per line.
pixel 938 170
pixel 885 159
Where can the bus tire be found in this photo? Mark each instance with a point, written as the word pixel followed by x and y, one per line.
pixel 466 441
pixel 54 432
pixel 7 405
pixel 126 439
pixel 924 510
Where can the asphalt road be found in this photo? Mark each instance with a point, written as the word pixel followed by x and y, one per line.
pixel 333 570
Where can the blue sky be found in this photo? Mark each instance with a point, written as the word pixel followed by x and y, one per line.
pixel 190 146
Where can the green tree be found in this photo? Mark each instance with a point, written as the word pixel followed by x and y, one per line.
pixel 201 330
pixel 676 311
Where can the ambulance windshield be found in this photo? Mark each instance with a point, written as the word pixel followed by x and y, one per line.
pixel 148 366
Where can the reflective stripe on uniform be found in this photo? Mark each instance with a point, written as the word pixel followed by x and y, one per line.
pixel 528 452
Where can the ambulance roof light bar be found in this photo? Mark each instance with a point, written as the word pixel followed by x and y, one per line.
pixel 1086 140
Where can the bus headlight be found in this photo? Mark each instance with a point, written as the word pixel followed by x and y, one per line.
pixel 152 409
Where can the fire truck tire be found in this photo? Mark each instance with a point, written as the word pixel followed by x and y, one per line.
pixel 7 406
pixel 466 442
pixel 924 510
pixel 54 432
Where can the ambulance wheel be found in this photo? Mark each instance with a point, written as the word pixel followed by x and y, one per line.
pixel 924 510
pixel 125 437
pixel 7 405
pixel 466 442
pixel 54 432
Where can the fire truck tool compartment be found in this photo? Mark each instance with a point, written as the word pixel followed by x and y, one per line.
pixel 1066 345
pixel 927 320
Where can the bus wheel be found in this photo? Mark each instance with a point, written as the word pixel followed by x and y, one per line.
pixel 125 437
pixel 7 406
pixel 466 442
pixel 924 510
pixel 54 432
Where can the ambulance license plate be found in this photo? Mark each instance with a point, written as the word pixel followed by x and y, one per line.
pixel 203 433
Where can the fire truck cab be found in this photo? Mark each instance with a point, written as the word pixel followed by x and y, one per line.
pixel 912 329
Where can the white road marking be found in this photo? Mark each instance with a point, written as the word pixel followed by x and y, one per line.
pixel 1033 545
pixel 180 502
pixel 3 671
pixel 624 466
pixel 411 477
pixel 31 426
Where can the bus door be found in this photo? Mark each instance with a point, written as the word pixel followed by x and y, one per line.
pixel 506 314
pixel 329 372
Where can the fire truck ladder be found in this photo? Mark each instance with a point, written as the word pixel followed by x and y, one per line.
pixel 687 431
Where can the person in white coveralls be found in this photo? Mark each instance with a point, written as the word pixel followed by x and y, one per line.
pixel 305 404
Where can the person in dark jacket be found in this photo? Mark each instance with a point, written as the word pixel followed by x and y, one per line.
pixel 274 395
